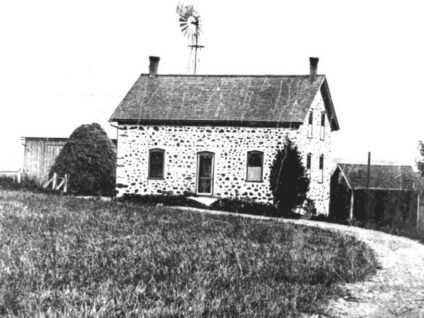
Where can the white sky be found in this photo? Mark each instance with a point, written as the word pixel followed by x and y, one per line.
pixel 66 63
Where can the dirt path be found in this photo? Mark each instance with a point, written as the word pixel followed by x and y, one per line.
pixel 396 290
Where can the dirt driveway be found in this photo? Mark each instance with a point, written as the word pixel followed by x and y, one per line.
pixel 396 290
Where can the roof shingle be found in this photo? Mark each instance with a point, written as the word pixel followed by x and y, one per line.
pixel 222 99
pixel 382 177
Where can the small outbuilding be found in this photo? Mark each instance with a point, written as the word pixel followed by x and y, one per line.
pixel 382 194
pixel 40 154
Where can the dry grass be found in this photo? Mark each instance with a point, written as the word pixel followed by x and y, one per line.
pixel 64 257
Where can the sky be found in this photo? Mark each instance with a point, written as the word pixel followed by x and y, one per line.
pixel 67 63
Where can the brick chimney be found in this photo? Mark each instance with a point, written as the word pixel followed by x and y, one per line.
pixel 153 66
pixel 313 61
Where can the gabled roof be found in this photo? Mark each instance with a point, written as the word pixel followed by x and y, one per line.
pixel 267 100
pixel 382 177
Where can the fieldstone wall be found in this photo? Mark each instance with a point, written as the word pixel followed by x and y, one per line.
pixel 317 146
pixel 229 145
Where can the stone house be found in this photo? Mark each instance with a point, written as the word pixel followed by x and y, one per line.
pixel 217 135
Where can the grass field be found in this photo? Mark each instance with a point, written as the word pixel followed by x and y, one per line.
pixel 65 257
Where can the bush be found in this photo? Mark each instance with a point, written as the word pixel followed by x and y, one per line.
pixel 245 207
pixel 309 207
pixel 26 184
pixel 331 219
pixel 166 200
pixel 89 159
pixel 288 179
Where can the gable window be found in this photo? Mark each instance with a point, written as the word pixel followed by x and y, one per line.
pixel 156 163
pixel 254 166
pixel 322 130
pixel 308 161
pixel 310 124
pixel 321 168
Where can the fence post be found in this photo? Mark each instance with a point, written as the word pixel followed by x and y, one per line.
pixel 65 186
pixel 418 212
pixel 54 181
pixel 352 202
pixel 18 177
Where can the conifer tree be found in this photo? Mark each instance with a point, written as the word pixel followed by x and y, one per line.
pixel 288 179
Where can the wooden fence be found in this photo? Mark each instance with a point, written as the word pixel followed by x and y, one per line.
pixel 57 183
pixel 15 175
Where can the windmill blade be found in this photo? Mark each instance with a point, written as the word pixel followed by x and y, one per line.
pixel 189 20
pixel 180 8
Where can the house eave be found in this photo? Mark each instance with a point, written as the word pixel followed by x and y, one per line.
pixel 383 189
pixel 328 102
pixel 226 123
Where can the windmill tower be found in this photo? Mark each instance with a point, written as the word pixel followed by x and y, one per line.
pixel 190 25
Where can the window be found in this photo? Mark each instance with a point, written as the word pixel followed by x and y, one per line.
pixel 156 163
pixel 321 168
pixel 322 130
pixel 254 166
pixel 310 123
pixel 308 161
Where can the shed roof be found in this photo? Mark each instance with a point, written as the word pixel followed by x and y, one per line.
pixel 45 139
pixel 382 177
pixel 223 99
pixel 53 139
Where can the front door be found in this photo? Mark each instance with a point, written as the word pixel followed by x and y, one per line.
pixel 205 163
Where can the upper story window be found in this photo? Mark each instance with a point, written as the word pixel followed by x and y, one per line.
pixel 322 129
pixel 255 161
pixel 156 163
pixel 310 124
pixel 321 168
pixel 308 161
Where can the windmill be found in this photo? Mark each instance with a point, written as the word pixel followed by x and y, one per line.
pixel 190 25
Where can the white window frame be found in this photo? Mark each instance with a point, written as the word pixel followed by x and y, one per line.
pixel 262 166
pixel 322 128
pixel 149 176
pixel 321 168
pixel 309 161
pixel 310 129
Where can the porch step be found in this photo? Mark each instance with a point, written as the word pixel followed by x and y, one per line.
pixel 204 200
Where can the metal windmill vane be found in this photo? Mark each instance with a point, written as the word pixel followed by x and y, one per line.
pixel 190 25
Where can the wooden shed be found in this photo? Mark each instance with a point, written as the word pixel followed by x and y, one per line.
pixel 390 193
pixel 39 155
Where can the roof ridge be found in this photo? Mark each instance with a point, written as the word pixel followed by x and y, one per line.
pixel 231 75
pixel 373 165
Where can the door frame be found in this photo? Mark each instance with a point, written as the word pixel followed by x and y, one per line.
pixel 199 154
